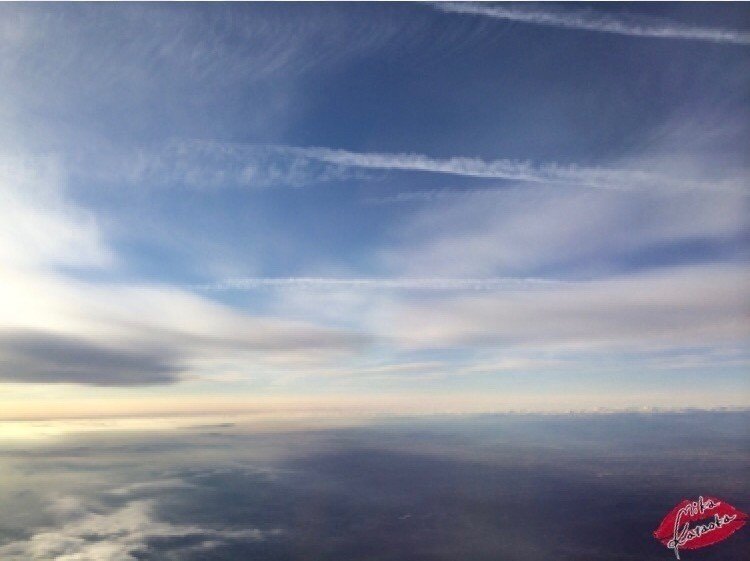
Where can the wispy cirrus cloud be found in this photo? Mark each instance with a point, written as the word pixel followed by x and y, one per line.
pixel 588 20
pixel 526 232
pixel 427 196
pixel 119 61
pixel 60 329
pixel 600 177
pixel 668 309
pixel 205 164
pixel 430 284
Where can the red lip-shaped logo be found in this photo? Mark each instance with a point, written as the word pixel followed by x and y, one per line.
pixel 694 524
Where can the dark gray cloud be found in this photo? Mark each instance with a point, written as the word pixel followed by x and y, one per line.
pixel 46 357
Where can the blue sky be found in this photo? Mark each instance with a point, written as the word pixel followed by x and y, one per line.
pixel 498 206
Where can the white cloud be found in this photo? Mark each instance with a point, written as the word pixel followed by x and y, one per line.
pixel 59 329
pixel 590 20
pixel 520 232
pixel 206 165
pixel 668 309
pixel 405 370
pixel 38 224
pixel 150 486
pixel 150 334
pixel 117 535
pixel 550 173
pixel 514 170
pixel 429 284
pixel 200 164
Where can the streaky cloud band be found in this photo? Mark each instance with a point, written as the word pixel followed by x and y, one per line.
pixel 507 169
pixel 210 164
pixel 619 24
pixel 296 165
pixel 431 284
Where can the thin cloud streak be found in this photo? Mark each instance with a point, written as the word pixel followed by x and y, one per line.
pixel 618 24
pixel 207 164
pixel 596 177
pixel 671 310
pixel 432 284
pixel 514 170
pixel 427 196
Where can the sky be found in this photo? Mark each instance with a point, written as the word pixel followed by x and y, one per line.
pixel 373 207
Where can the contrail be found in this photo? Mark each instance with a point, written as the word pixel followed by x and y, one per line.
pixel 217 164
pixel 607 178
pixel 639 26
pixel 312 283
pixel 515 170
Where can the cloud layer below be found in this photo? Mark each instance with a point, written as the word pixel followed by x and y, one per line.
pixel 118 534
